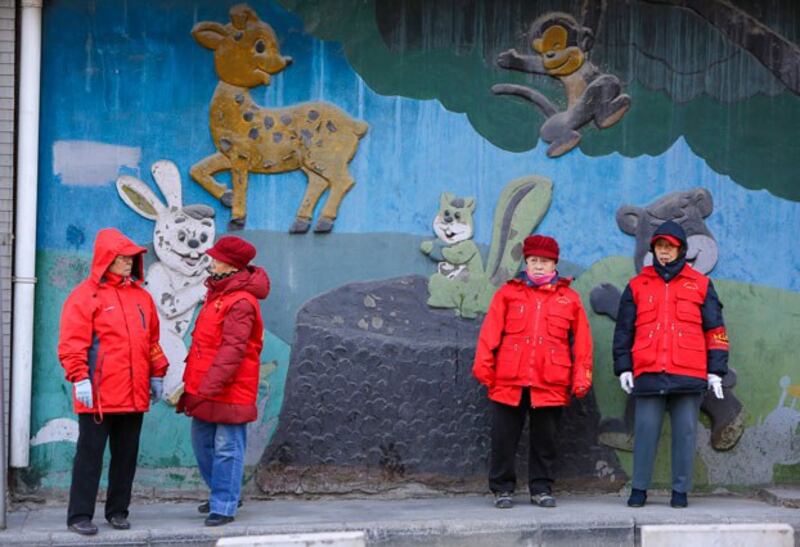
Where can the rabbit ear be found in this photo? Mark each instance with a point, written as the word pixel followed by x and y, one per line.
pixel 139 197
pixel 168 180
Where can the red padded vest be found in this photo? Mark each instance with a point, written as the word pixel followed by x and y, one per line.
pixel 669 324
pixel 206 339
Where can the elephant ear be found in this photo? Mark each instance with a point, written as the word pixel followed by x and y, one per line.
pixel 628 218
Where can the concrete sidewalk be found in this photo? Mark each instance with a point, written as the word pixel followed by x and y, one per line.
pixel 468 521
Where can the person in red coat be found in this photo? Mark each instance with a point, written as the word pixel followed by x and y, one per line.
pixel 670 346
pixel 534 351
pixel 221 376
pixel 108 346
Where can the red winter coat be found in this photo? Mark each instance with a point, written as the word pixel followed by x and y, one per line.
pixel 109 332
pixel 669 324
pixel 221 376
pixel 524 342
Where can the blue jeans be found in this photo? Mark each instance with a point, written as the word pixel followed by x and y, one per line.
pixel 684 409
pixel 219 449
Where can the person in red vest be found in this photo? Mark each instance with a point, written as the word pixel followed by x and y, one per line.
pixel 534 351
pixel 108 346
pixel 221 376
pixel 670 345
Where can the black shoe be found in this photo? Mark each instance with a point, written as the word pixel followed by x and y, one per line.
pixel 678 500
pixel 205 507
pixel 215 519
pixel 118 522
pixel 504 500
pixel 543 500
pixel 637 498
pixel 83 527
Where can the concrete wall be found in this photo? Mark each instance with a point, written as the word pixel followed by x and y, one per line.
pixel 125 85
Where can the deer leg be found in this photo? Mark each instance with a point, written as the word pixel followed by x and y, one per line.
pixel 341 183
pixel 203 170
pixel 316 186
pixel 239 200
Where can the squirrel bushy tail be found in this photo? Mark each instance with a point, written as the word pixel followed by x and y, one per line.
pixel 519 210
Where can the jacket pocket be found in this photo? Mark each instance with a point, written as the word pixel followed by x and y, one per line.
pixel 689 311
pixel 508 357
pixel 643 352
pixel 515 317
pixel 558 368
pixel 646 311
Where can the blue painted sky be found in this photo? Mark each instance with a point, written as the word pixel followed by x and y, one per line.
pixel 130 74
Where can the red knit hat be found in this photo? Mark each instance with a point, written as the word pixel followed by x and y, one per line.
pixel 540 246
pixel 234 251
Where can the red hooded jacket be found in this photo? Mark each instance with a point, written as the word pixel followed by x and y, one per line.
pixel 109 332
pixel 524 342
pixel 222 368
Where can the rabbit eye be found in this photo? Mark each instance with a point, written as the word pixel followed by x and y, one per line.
pixel 458 216
pixel 260 47
pixel 203 238
pixel 181 236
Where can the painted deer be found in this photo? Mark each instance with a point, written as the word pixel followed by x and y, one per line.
pixel 318 138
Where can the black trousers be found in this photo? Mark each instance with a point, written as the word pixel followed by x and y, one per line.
pixel 122 432
pixel 507 424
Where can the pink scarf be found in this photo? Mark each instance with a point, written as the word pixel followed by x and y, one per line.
pixel 541 279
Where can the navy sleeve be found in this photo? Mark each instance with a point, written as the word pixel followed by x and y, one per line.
pixel 714 325
pixel 624 333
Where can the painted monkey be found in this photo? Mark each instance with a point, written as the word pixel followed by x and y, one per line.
pixel 562 47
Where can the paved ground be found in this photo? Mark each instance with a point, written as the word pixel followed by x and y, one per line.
pixel 468 520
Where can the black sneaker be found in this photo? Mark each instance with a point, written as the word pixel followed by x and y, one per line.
pixel 83 527
pixel 543 500
pixel 118 522
pixel 637 498
pixel 205 507
pixel 215 519
pixel 678 500
pixel 504 500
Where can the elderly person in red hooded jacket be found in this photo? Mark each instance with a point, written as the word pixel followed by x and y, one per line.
pixel 221 376
pixel 108 346
pixel 534 351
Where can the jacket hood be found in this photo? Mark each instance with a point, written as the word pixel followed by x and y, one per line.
pixel 671 228
pixel 252 279
pixel 109 243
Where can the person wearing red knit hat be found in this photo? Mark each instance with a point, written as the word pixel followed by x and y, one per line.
pixel 221 376
pixel 534 352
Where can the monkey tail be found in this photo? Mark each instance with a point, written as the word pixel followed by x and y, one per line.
pixel 527 93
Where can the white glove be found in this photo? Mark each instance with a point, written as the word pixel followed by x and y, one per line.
pixel 715 385
pixel 83 392
pixel 626 382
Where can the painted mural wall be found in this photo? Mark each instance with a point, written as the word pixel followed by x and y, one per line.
pixel 387 159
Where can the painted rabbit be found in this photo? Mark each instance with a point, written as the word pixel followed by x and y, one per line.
pixel 181 237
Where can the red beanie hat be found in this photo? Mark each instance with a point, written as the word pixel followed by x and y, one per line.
pixel 540 246
pixel 234 251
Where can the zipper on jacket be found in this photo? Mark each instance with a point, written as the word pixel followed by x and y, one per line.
pixel 532 357
pixel 141 316
pixel 665 350
pixel 130 347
